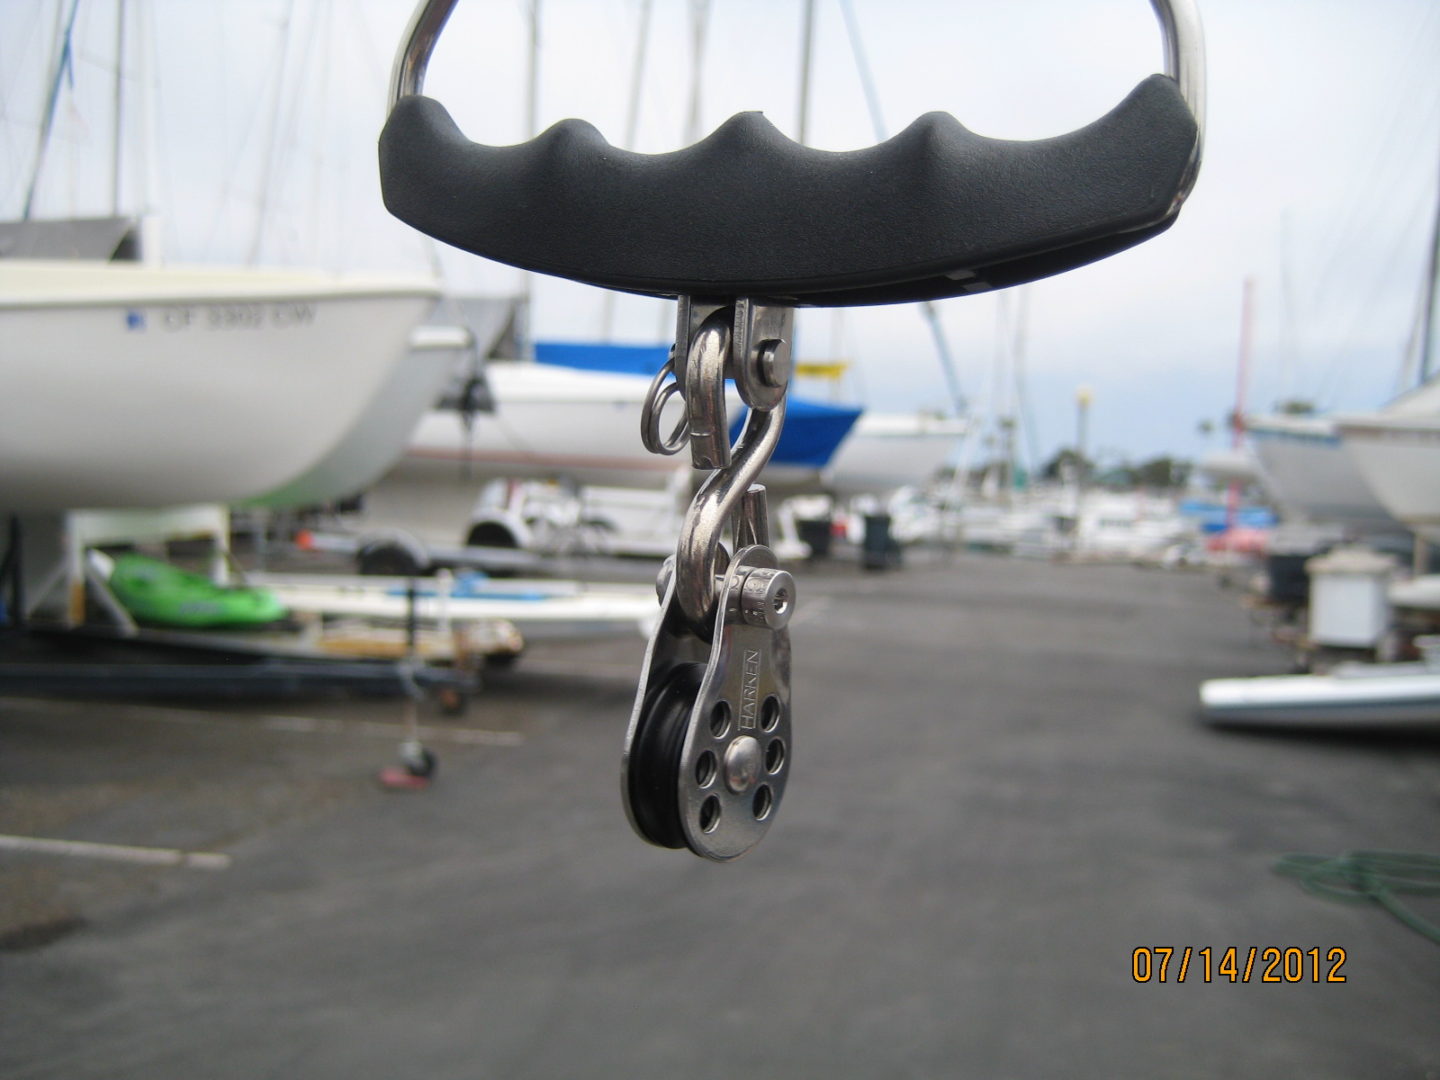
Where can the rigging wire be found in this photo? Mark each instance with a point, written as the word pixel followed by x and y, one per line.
pixel 1023 414
pixel 272 146
pixel 1391 159
pixel 1000 389
pixel 118 111
pixel 699 38
pixel 632 131
pixel 375 69
pixel 290 138
pixel 1286 345
pixel 1370 188
pixel 63 67
pixel 319 169
pixel 10 124
pixel 231 176
pixel 1363 313
pixel 1432 275
pixel 157 182
pixel 930 311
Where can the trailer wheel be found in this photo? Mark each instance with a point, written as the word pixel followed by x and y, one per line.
pixel 490 534
pixel 386 558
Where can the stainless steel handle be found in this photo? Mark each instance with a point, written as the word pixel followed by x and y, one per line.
pixel 407 74
pixel 1184 43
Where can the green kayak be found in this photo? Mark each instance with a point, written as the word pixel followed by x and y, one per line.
pixel 160 594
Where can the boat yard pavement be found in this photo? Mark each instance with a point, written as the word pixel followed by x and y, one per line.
pixel 1001 791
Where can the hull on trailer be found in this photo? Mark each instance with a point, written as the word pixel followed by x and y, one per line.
pixel 1352 695
pixel 139 386
pixel 887 451
pixel 1399 457
pixel 549 423
pixel 1306 468
pixel 381 432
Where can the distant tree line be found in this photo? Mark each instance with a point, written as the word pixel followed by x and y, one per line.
pixel 1159 473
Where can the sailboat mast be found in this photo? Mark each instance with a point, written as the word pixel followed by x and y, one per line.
pixel 119 111
pixel 64 28
pixel 532 86
pixel 699 29
pixel 1427 325
pixel 532 122
pixel 928 308
pixel 807 50
pixel 267 173
pixel 632 135
pixel 1237 419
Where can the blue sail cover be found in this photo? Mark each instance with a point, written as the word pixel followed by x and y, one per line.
pixel 813 430
pixel 812 433
pixel 602 356
pixel 1214 517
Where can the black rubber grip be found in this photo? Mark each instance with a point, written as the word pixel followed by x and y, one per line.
pixel 935 211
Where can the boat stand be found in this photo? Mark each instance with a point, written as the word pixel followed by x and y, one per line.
pixel 221 676
pixel 60 653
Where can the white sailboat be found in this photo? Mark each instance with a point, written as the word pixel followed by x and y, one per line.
pixel 1399 457
pixel 887 451
pixel 572 437
pixel 1397 449
pixel 1353 695
pixel 1393 454
pixel 380 432
pixel 549 423
pixel 131 384
pixel 1306 469
pixel 142 386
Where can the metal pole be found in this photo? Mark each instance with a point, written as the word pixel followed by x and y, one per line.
pixel 532 122
pixel 119 114
pixel 632 133
pixel 14 568
pixel 64 60
pixel 807 48
pixel 1242 370
pixel 1427 330
pixel 532 86
pixel 1082 417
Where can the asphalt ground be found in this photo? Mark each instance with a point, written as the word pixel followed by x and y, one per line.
pixel 1001 790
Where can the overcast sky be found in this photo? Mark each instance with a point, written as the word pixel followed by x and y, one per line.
pixel 249 131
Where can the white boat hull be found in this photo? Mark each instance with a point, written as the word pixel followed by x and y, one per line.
pixel 583 428
pixel 1305 467
pixel 1399 457
pixel 1128 526
pixel 550 423
pixel 380 433
pixel 540 610
pixel 1421 593
pixel 1354 695
pixel 888 451
pixel 138 386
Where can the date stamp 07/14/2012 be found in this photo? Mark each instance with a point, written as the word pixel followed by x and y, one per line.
pixel 1262 964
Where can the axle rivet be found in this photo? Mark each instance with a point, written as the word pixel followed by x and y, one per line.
pixel 773 362
pixel 767 598
pixel 742 764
